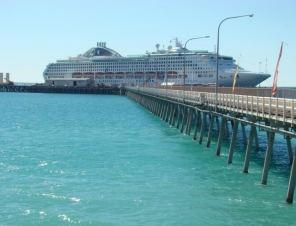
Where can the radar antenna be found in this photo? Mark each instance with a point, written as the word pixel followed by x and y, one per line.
pixel 157 48
pixel 177 42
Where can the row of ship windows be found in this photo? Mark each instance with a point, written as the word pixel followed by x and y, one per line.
pixel 196 72
pixel 200 66
pixel 124 65
pixel 111 65
pixel 199 75
pixel 55 76
pixel 141 80
pixel 180 69
pixel 173 58
pixel 130 69
pixel 161 77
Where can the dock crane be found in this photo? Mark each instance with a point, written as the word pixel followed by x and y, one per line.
pixel 8 82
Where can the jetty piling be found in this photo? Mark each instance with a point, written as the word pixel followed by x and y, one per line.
pixel 249 148
pixel 292 181
pixel 197 120
pixel 210 131
pixel 203 124
pixel 232 143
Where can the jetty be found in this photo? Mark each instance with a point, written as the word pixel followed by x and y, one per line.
pixel 188 110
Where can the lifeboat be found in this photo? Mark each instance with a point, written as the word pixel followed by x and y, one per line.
pixel 76 74
pixel 109 73
pixel 120 73
pixel 139 73
pixel 88 73
pixel 99 73
pixel 151 73
pixel 172 73
pixel 129 74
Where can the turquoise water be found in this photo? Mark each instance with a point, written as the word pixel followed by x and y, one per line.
pixel 105 160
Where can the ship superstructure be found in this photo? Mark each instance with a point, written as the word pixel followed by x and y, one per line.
pixel 103 65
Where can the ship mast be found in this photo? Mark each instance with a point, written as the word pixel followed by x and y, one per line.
pixel 177 42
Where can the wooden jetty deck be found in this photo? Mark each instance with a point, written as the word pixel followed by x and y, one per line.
pixel 186 110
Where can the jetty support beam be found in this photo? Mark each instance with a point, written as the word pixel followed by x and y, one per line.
pixel 249 148
pixel 197 118
pixel 233 141
pixel 183 119
pixel 210 131
pixel 203 125
pixel 291 187
pixel 221 133
pixel 267 158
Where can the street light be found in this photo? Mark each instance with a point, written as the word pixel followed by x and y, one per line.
pixel 217 64
pixel 184 63
pixel 166 71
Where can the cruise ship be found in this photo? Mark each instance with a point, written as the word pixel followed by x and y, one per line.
pixel 102 65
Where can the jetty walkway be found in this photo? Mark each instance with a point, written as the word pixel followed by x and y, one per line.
pixel 186 110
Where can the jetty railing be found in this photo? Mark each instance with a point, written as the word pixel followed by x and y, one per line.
pixel 279 109
pixel 249 91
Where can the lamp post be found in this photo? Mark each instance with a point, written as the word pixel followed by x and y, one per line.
pixel 217 60
pixel 145 76
pixel 166 75
pixel 92 70
pixel 184 62
pixel 166 72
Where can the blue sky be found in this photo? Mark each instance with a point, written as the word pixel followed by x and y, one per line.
pixel 35 32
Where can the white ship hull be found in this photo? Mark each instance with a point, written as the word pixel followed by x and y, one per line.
pixel 105 66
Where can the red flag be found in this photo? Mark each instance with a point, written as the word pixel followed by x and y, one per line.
pixel 274 87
